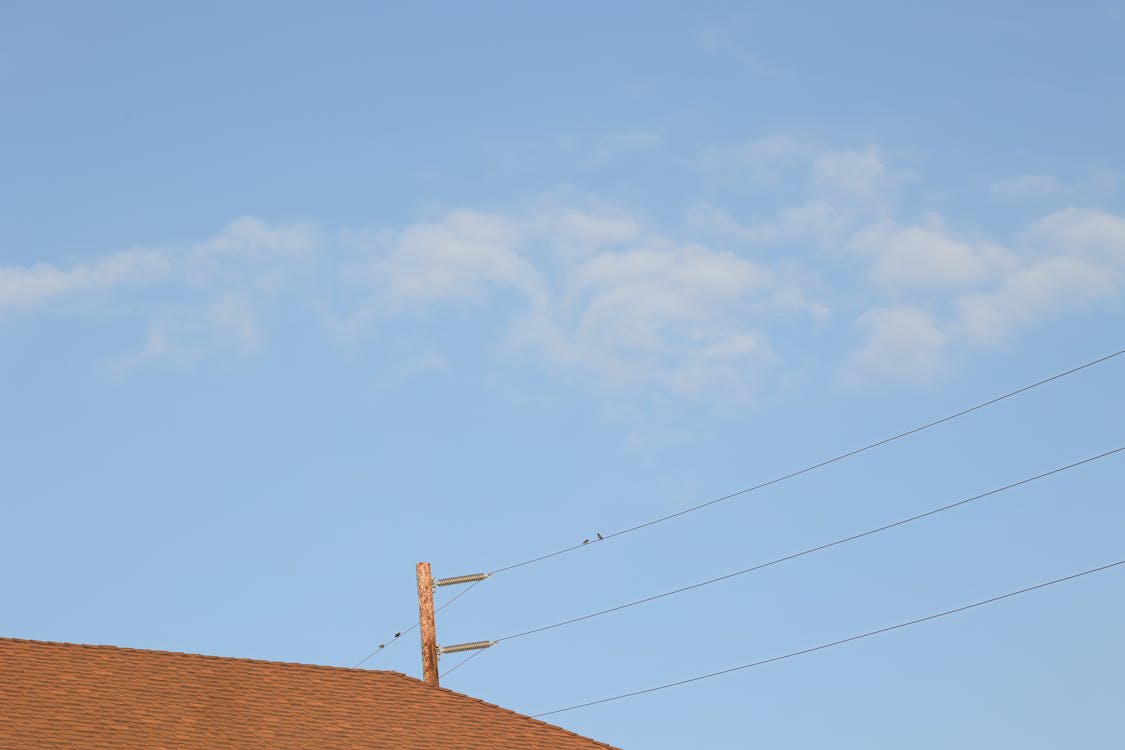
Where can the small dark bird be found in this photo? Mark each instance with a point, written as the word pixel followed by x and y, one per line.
pixel 397 635
pixel 600 537
pixel 585 541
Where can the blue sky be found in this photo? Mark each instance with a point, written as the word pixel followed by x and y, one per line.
pixel 292 297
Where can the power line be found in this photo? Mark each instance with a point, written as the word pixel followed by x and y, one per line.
pixel 840 642
pixel 812 467
pixel 808 551
pixel 461 663
pixel 791 475
pixel 460 594
pixel 811 550
pixel 404 631
pixel 382 646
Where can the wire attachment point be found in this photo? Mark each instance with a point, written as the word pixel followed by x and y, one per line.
pixel 474 646
pixel 455 580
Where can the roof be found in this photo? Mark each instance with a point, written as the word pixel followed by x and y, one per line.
pixel 64 695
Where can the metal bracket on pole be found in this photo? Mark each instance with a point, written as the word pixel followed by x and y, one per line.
pixel 474 646
pixel 462 579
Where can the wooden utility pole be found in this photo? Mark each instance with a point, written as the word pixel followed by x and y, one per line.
pixel 426 624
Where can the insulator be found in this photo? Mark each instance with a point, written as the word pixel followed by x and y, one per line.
pixel 461 579
pixel 467 647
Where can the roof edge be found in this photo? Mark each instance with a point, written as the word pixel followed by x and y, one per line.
pixel 267 662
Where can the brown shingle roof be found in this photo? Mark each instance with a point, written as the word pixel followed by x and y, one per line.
pixel 62 695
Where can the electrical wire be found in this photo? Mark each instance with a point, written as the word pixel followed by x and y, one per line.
pixel 776 480
pixel 840 642
pixel 812 467
pixel 404 631
pixel 810 550
pixel 461 663
pixel 382 646
pixel 460 594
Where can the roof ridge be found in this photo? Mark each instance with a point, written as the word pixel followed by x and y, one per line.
pixel 271 662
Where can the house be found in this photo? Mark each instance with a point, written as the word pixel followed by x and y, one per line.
pixel 63 695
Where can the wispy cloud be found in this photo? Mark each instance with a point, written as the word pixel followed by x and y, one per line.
pixel 593 288
pixel 680 315
pixel 859 179
pixel 1037 291
pixel 927 256
pixel 28 288
pixel 1092 233
pixel 601 292
pixel 182 336
pixel 210 292
pixel 1040 189
pixel 1024 187
pixel 901 344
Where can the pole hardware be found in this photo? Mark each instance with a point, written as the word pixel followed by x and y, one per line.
pixel 474 646
pixel 461 579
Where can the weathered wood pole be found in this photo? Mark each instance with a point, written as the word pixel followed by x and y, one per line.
pixel 426 624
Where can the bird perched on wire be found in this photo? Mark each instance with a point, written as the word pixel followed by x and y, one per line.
pixel 600 537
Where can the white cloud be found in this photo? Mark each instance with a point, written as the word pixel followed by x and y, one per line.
pixel 901 344
pixel 250 253
pixel 844 189
pixel 927 257
pixel 599 290
pixel 680 315
pixel 253 240
pixel 211 292
pixel 1079 261
pixel 1082 231
pixel 225 285
pixel 234 317
pixel 462 258
pixel 1045 288
pixel 573 232
pixel 856 178
pixel 180 335
pixel 31 287
pixel 163 343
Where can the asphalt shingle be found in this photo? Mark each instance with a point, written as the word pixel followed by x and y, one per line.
pixel 63 695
